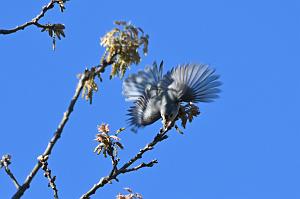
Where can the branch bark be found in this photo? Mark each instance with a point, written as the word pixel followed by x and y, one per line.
pixel 115 172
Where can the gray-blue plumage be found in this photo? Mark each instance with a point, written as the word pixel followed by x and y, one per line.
pixel 156 96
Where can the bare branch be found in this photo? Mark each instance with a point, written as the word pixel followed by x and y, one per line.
pixel 114 164
pixel 48 175
pixel 34 21
pixel 142 165
pixel 158 138
pixel 4 162
pixel 84 77
pixel 124 169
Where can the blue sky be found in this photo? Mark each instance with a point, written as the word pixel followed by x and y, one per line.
pixel 243 146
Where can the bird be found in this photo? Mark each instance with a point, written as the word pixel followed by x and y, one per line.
pixel 156 96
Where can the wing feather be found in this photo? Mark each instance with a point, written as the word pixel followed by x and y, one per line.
pixel 136 85
pixel 193 83
pixel 144 112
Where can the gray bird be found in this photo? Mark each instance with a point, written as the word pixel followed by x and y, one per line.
pixel 158 96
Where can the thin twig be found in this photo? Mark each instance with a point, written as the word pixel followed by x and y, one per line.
pixel 11 175
pixel 4 162
pixel 84 77
pixel 125 168
pixel 114 164
pixel 48 174
pixel 142 165
pixel 34 21
pixel 158 138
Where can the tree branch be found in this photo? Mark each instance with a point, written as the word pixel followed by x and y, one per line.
pixel 48 174
pixel 142 165
pixel 4 162
pixel 34 21
pixel 84 77
pixel 11 175
pixel 124 169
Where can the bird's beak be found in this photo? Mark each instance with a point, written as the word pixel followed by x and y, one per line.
pixel 166 123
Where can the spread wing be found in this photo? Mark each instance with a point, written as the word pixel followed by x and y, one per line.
pixel 137 85
pixel 145 111
pixel 193 83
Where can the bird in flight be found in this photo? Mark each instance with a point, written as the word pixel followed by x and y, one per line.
pixel 158 96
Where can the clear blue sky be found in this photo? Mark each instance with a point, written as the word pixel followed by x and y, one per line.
pixel 243 146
